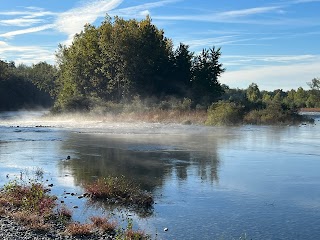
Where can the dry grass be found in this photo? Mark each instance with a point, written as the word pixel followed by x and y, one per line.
pixel 166 116
pixel 151 116
pixel 135 235
pixel 31 205
pixel 104 224
pixel 77 229
pixel 310 110
pixel 64 213
pixel 120 190
pixel 31 220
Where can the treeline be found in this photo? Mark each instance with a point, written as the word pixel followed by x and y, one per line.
pixel 122 59
pixel 252 106
pixel 124 65
pixel 299 98
pixel 21 86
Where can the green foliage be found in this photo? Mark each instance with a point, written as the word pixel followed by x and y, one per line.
pixel 224 113
pixel 122 59
pixel 17 90
pixel 275 112
pixel 253 93
pixel 30 197
pixel 44 76
pixel 262 107
pixel 130 234
pixel 205 72
pixel 314 84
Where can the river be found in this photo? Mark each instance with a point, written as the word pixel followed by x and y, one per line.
pixel 254 182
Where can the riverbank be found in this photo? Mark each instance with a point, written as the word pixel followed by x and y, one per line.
pixel 222 113
pixel 12 230
pixel 27 207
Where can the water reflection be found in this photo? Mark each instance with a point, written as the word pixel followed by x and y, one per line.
pixel 148 162
pixel 209 183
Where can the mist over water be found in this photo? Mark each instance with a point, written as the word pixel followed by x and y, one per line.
pixel 208 182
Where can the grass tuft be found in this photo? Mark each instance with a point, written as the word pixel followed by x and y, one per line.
pixel 104 224
pixel 77 229
pixel 119 190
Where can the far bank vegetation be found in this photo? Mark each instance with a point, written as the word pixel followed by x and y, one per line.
pixel 128 70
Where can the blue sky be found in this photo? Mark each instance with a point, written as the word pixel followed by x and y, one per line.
pixel 272 43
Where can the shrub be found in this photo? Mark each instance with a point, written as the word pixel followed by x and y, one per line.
pixel 104 224
pixel 119 189
pixel 274 113
pixel 77 229
pixel 130 234
pixel 32 197
pixel 224 113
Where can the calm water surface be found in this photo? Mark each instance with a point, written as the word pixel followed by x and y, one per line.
pixel 208 182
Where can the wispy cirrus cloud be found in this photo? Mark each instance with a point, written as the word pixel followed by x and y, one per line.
pixel 216 41
pixel 26 31
pixel 272 58
pixel 72 21
pixel 31 12
pixel 20 22
pixel 27 54
pixel 69 22
pixel 141 9
pixel 270 14
pixel 24 18
pixel 248 12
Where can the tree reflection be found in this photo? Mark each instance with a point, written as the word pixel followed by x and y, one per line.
pixel 148 162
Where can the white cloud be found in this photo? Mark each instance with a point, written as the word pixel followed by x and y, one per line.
pixel 3 44
pixel 247 12
pixel 20 22
pixel 25 13
pixel 145 13
pixel 135 11
pixel 273 15
pixel 27 30
pixel 72 21
pixel 27 54
pixel 274 76
pixel 197 44
pixel 25 18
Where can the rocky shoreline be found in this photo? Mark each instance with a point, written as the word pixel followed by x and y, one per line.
pixel 11 230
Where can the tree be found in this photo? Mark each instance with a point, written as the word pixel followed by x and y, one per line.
pixel 44 76
pixel 314 94
pixel 122 59
pixel 16 89
pixel 205 72
pixel 253 93
pixel 300 98
pixel 314 84
pixel 4 71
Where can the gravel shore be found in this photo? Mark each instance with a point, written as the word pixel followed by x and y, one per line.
pixel 11 230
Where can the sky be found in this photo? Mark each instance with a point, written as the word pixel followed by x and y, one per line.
pixel 274 44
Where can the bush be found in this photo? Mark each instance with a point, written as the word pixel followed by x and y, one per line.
pixel 119 190
pixel 224 113
pixel 274 113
